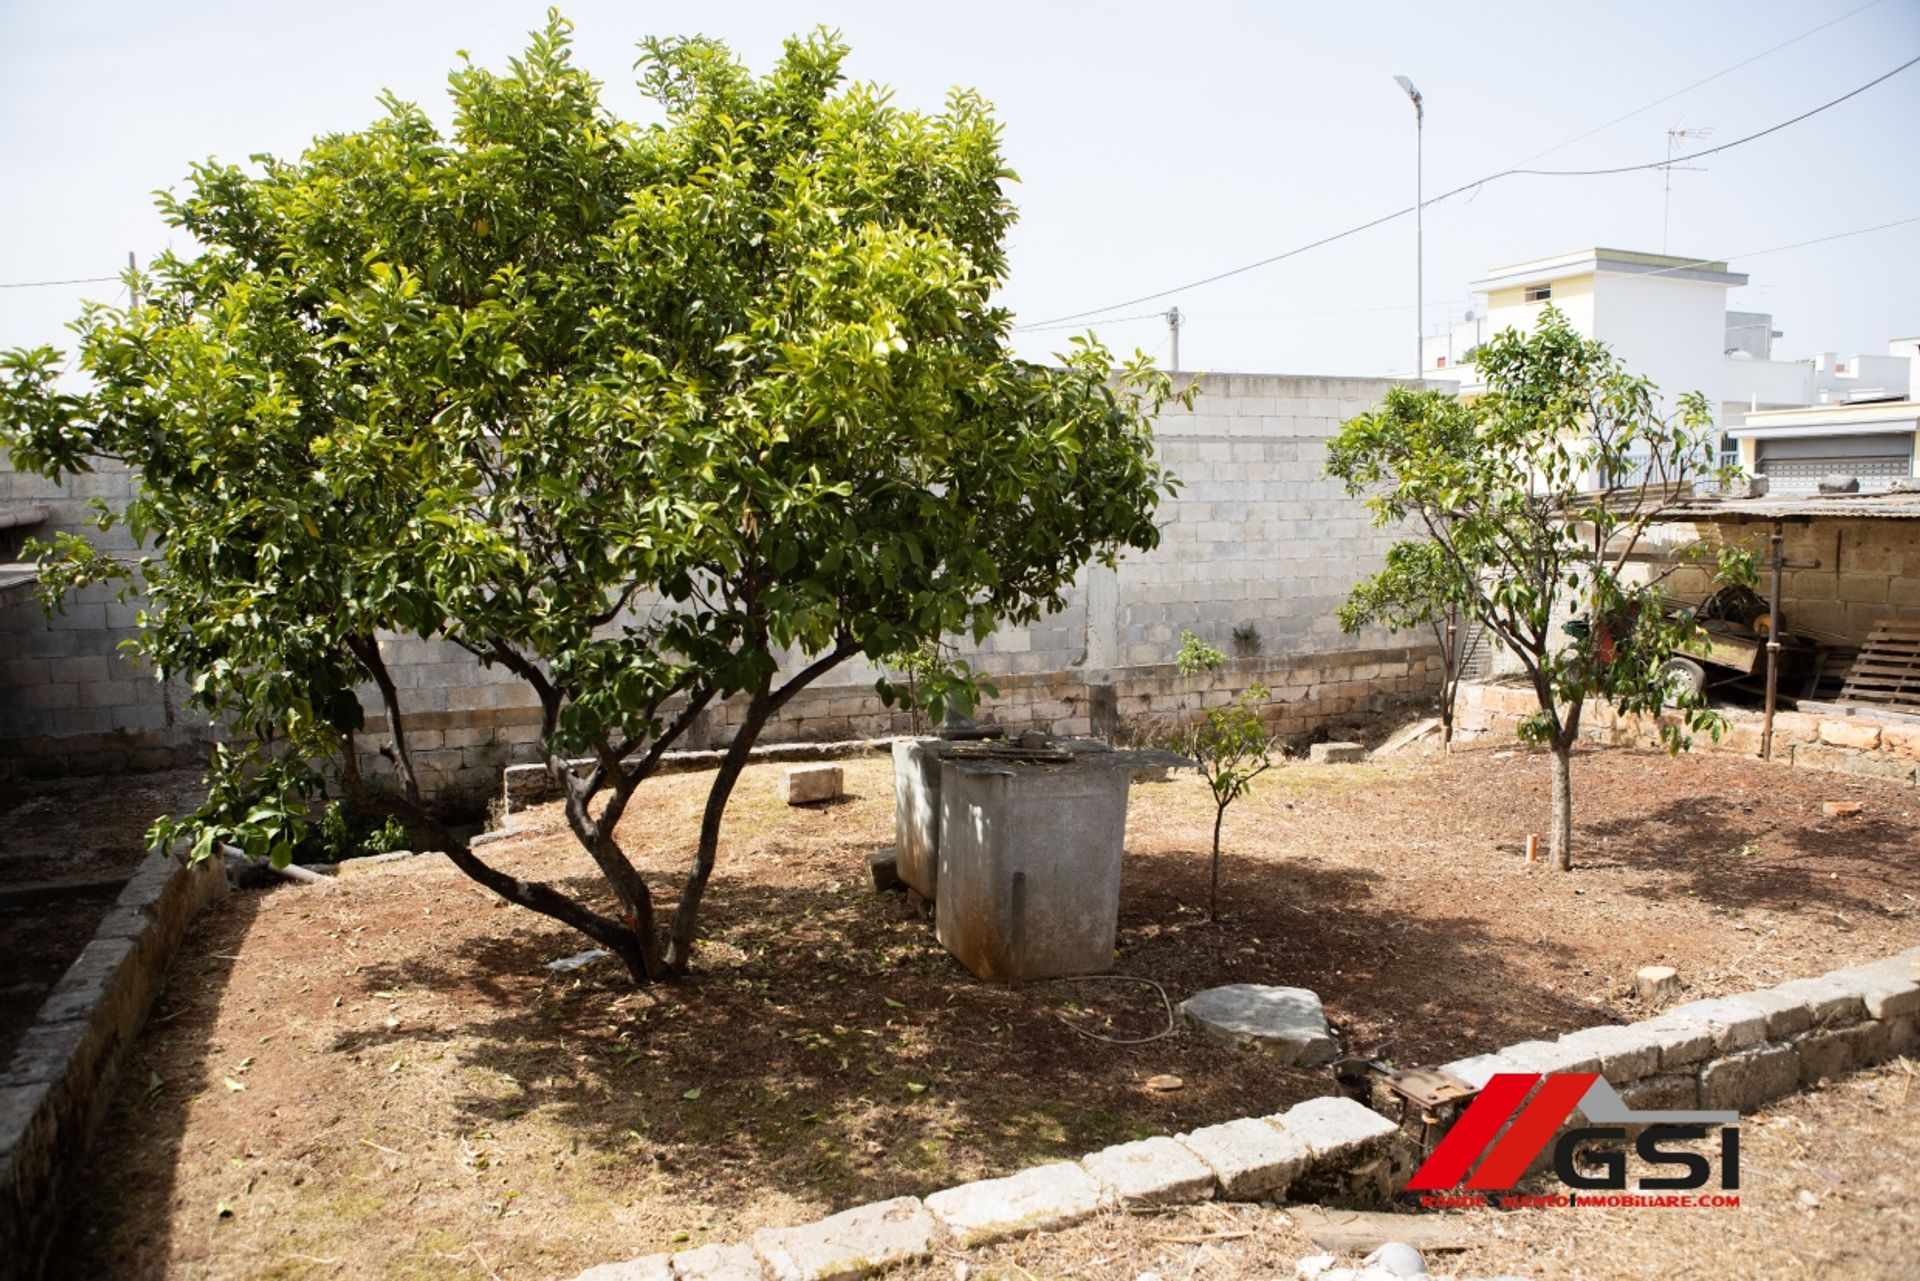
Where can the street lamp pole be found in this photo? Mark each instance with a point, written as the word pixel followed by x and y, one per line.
pixel 1419 233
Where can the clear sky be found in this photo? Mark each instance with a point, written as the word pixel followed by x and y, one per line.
pixel 1156 143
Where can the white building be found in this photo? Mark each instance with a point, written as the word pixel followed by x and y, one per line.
pixel 1793 421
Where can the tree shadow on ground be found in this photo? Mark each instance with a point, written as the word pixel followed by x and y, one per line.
pixel 1725 852
pixel 826 1044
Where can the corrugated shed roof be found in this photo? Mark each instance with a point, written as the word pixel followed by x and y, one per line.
pixel 1881 506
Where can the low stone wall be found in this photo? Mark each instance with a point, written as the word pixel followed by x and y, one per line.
pixel 56 1089
pixel 1737 1052
pixel 1325 1147
pixel 1728 1053
pixel 461 754
pixel 1863 744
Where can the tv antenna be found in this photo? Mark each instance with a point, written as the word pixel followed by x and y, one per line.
pixel 1675 137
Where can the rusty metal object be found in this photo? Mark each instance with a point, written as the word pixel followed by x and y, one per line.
pixel 1431 1097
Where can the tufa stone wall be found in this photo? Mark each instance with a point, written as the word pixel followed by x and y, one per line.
pixel 1880 746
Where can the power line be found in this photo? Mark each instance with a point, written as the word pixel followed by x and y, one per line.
pixel 1464 187
pixel 1677 93
pixel 1711 151
pixel 48 284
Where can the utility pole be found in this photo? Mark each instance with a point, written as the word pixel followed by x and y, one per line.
pixel 1419 232
pixel 1173 333
pixel 133 291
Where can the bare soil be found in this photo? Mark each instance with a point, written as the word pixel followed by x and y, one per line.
pixel 66 848
pixel 1827 1189
pixel 381 1079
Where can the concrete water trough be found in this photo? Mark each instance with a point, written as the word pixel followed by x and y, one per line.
pixel 1027 879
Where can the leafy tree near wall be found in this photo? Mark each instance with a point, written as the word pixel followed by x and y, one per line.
pixel 1538 493
pixel 648 417
pixel 1229 744
pixel 1419 587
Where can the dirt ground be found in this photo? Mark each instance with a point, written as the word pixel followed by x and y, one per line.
pixel 381 1079
pixel 1826 1190
pixel 66 848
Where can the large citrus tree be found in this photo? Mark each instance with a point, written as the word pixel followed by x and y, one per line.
pixel 634 413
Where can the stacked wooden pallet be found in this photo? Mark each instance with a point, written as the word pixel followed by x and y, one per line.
pixel 1887 672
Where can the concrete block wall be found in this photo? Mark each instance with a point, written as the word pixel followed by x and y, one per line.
pixel 1256 538
pixel 1863 743
pixel 71 701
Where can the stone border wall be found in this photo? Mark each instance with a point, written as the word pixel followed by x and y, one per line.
pixel 1737 1052
pixel 1882 747
pixel 1732 1052
pixel 56 1089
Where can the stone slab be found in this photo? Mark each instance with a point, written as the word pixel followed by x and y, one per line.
pixel 1252 1159
pixel 1337 753
pixel 1156 1171
pixel 1287 1022
pixel 718 1263
pixel 1749 1078
pixel 809 784
pixel 851 1244
pixel 1625 1053
pixel 1888 989
pixel 1665 1092
pixel 1047 1196
pixel 1830 1001
pixel 1681 1041
pixel 1476 1070
pixel 1735 1026
pixel 1334 1127
pixel 1358 1231
pixel 1785 1016
pixel 1834 1052
pixel 1546 1057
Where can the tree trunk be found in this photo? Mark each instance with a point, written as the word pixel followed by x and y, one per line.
pixel 1213 886
pixel 1560 840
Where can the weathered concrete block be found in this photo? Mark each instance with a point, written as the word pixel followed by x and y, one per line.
pixel 1625 1054
pixel 1337 753
pixel 1156 1171
pixel 1251 1159
pixel 1831 1002
pixel 850 1244
pixel 654 1267
pixel 1785 1016
pixel 1735 1027
pixel 807 784
pixel 1682 1041
pixel 718 1263
pixel 1749 1078
pixel 883 866
pixel 1287 1022
pixel 1834 1052
pixel 1047 1196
